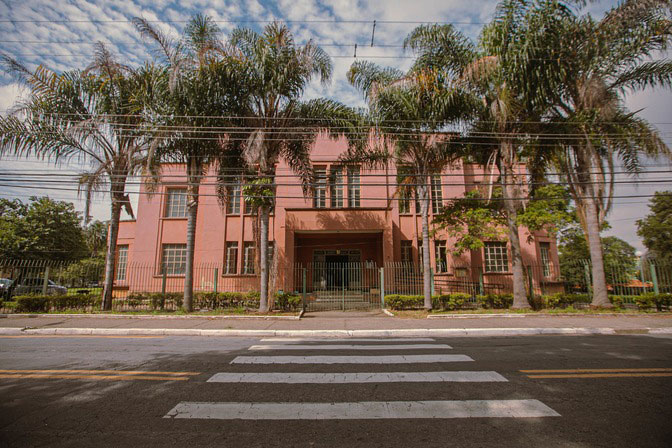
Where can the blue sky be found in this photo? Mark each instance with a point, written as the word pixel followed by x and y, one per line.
pixel 33 32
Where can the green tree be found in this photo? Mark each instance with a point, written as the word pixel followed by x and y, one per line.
pixel 601 61
pixel 411 115
pixel 95 234
pixel 656 228
pixel 42 229
pixel 512 75
pixel 204 88
pixel 277 124
pixel 94 117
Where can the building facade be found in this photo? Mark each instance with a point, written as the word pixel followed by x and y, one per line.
pixel 356 218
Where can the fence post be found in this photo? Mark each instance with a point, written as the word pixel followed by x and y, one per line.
pixel 586 273
pixel 641 274
pixel 45 283
pixel 530 282
pixel 303 296
pixel 343 283
pixel 654 278
pixel 216 279
pixel 481 285
pixel 382 287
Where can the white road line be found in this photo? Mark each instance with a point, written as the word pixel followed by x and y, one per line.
pixel 383 339
pixel 391 359
pixel 351 347
pixel 363 410
pixel 360 377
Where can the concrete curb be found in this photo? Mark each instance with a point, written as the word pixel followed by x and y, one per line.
pixel 158 316
pixel 421 332
pixel 388 312
pixel 495 315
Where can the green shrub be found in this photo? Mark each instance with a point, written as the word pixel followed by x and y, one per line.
pixel 450 302
pixel 287 301
pixel 403 302
pixel 563 300
pixel 659 301
pixel 32 304
pixel 78 302
pixel 213 301
pixel 495 301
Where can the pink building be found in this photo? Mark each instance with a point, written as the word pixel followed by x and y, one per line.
pixel 354 218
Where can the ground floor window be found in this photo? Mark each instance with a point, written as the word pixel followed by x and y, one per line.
pixel 248 258
pixel 496 257
pixel 231 266
pixel 545 254
pixel 174 259
pixel 122 262
pixel 406 251
pixel 441 256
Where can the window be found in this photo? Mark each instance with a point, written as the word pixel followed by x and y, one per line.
pixel 461 272
pixel 420 253
pixel 336 187
pixel 233 200
pixel 248 208
pixel 405 192
pixel 437 194
pixel 353 186
pixel 248 258
pixel 320 198
pixel 545 252
pixel 231 266
pixel 496 258
pixel 176 203
pixel 122 262
pixel 406 251
pixel 174 259
pixel 440 256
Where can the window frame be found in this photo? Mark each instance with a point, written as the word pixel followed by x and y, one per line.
pixel 354 186
pixel 231 246
pixel 320 196
pixel 441 259
pixel 233 200
pixel 497 249
pixel 336 190
pixel 249 248
pixel 169 205
pixel 121 265
pixel 545 258
pixel 436 190
pixel 406 251
pixel 182 257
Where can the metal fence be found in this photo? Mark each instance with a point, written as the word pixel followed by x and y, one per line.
pixel 326 286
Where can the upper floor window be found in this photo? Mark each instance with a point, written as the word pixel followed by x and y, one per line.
pixel 174 259
pixel 545 255
pixel 176 203
pixel 441 256
pixel 437 194
pixel 496 257
pixel 405 192
pixel 336 186
pixel 122 262
pixel 233 200
pixel 353 186
pixel 320 198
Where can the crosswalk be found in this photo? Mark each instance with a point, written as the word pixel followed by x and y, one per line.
pixel 353 357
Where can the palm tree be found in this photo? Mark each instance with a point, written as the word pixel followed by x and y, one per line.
pixel 202 87
pixel 276 124
pixel 602 61
pixel 95 116
pixel 411 115
pixel 506 72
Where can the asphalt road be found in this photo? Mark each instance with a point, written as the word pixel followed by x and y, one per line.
pixel 611 391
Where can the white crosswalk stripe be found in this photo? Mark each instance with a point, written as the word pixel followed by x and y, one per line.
pixel 352 347
pixel 359 377
pixel 389 359
pixel 363 410
pixel 357 410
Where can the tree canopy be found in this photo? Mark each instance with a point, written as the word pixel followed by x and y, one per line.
pixel 656 228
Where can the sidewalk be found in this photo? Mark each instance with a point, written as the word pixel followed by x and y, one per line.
pixel 337 324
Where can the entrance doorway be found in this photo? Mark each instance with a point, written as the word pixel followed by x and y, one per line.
pixel 336 272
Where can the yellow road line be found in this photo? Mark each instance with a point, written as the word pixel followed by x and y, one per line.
pixel 602 375
pixel 114 372
pixel 78 336
pixel 653 369
pixel 97 377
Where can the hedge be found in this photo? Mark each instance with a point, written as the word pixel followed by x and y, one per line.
pixel 415 302
pixel 154 300
pixel 44 304
pixel 495 301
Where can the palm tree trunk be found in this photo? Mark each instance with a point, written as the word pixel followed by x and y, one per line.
pixel 111 255
pixel 193 180
pixel 423 193
pixel 510 196
pixel 600 296
pixel 263 259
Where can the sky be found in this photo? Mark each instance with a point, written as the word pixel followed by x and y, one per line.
pixel 60 34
